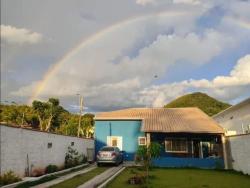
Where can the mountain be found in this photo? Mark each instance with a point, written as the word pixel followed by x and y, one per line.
pixel 207 104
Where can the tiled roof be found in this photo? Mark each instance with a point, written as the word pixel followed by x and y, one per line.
pixel 186 120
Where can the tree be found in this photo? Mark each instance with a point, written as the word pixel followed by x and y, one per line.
pixel 145 154
pixel 70 125
pixel 47 116
pixel 48 113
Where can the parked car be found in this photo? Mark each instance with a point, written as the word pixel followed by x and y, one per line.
pixel 109 154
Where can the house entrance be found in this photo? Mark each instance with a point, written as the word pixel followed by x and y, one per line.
pixel 115 141
pixel 196 148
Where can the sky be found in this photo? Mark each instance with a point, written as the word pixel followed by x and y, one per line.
pixel 119 54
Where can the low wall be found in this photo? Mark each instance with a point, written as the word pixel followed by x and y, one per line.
pixel 239 155
pixel 22 149
pixel 188 162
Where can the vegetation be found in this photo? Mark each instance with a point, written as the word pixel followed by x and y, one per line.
pixel 8 178
pixel 184 178
pixel 206 103
pixel 47 116
pixel 51 168
pixel 145 154
pixel 80 179
pixel 37 182
pixel 48 178
pixel 73 158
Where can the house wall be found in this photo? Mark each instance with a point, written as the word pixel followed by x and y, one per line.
pixel 168 159
pixel 22 148
pixel 128 130
pixel 239 155
pixel 235 118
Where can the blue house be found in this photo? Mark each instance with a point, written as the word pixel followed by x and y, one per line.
pixel 187 135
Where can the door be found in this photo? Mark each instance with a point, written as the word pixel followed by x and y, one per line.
pixel 115 141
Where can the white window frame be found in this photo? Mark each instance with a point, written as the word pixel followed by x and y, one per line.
pixel 119 141
pixel 142 137
pixel 174 139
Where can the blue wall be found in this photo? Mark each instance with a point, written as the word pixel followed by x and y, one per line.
pixel 129 130
pixel 188 162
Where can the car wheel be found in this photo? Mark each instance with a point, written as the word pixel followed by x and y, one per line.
pixel 116 163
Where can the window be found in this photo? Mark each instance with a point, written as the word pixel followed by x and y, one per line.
pixel 142 141
pixel 107 149
pixel 49 145
pixel 176 146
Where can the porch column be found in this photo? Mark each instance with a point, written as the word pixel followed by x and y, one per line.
pixel 148 138
pixel 201 150
pixel 223 141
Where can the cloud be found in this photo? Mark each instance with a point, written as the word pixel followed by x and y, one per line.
pixel 154 2
pixel 106 84
pixel 15 35
pixel 144 2
pixel 226 88
pixel 194 2
pixel 116 68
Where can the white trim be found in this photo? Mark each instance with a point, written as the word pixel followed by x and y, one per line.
pixel 119 141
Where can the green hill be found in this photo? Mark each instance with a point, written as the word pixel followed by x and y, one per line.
pixel 206 103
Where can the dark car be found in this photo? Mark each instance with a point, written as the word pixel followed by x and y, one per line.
pixel 109 154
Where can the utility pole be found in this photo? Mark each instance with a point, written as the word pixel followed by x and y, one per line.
pixel 80 114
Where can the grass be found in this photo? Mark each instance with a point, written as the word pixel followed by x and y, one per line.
pixel 72 170
pixel 37 182
pixel 48 178
pixel 184 178
pixel 80 179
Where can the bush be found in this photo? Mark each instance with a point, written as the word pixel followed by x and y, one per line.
pixel 51 168
pixel 145 154
pixel 72 158
pixel 8 178
pixel 83 159
pixel 137 179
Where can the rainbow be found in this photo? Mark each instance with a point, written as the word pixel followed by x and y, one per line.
pixel 93 38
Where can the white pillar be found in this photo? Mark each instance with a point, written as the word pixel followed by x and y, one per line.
pixel 223 141
pixel 148 139
pixel 201 151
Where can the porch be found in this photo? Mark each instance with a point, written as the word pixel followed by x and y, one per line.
pixel 202 150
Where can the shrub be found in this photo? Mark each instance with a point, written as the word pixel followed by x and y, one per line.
pixel 8 178
pixel 83 159
pixel 72 158
pixel 137 179
pixel 145 154
pixel 51 168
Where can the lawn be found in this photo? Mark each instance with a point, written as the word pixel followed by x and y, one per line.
pixel 185 178
pixel 48 178
pixel 80 179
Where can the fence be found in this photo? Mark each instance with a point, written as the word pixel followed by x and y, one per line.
pixel 23 150
pixel 239 152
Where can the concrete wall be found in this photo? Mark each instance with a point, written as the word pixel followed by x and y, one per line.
pixel 235 118
pixel 239 155
pixel 22 148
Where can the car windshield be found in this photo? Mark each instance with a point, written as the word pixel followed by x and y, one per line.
pixel 108 149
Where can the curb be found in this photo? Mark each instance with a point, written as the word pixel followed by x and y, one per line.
pixel 104 184
pixel 46 175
